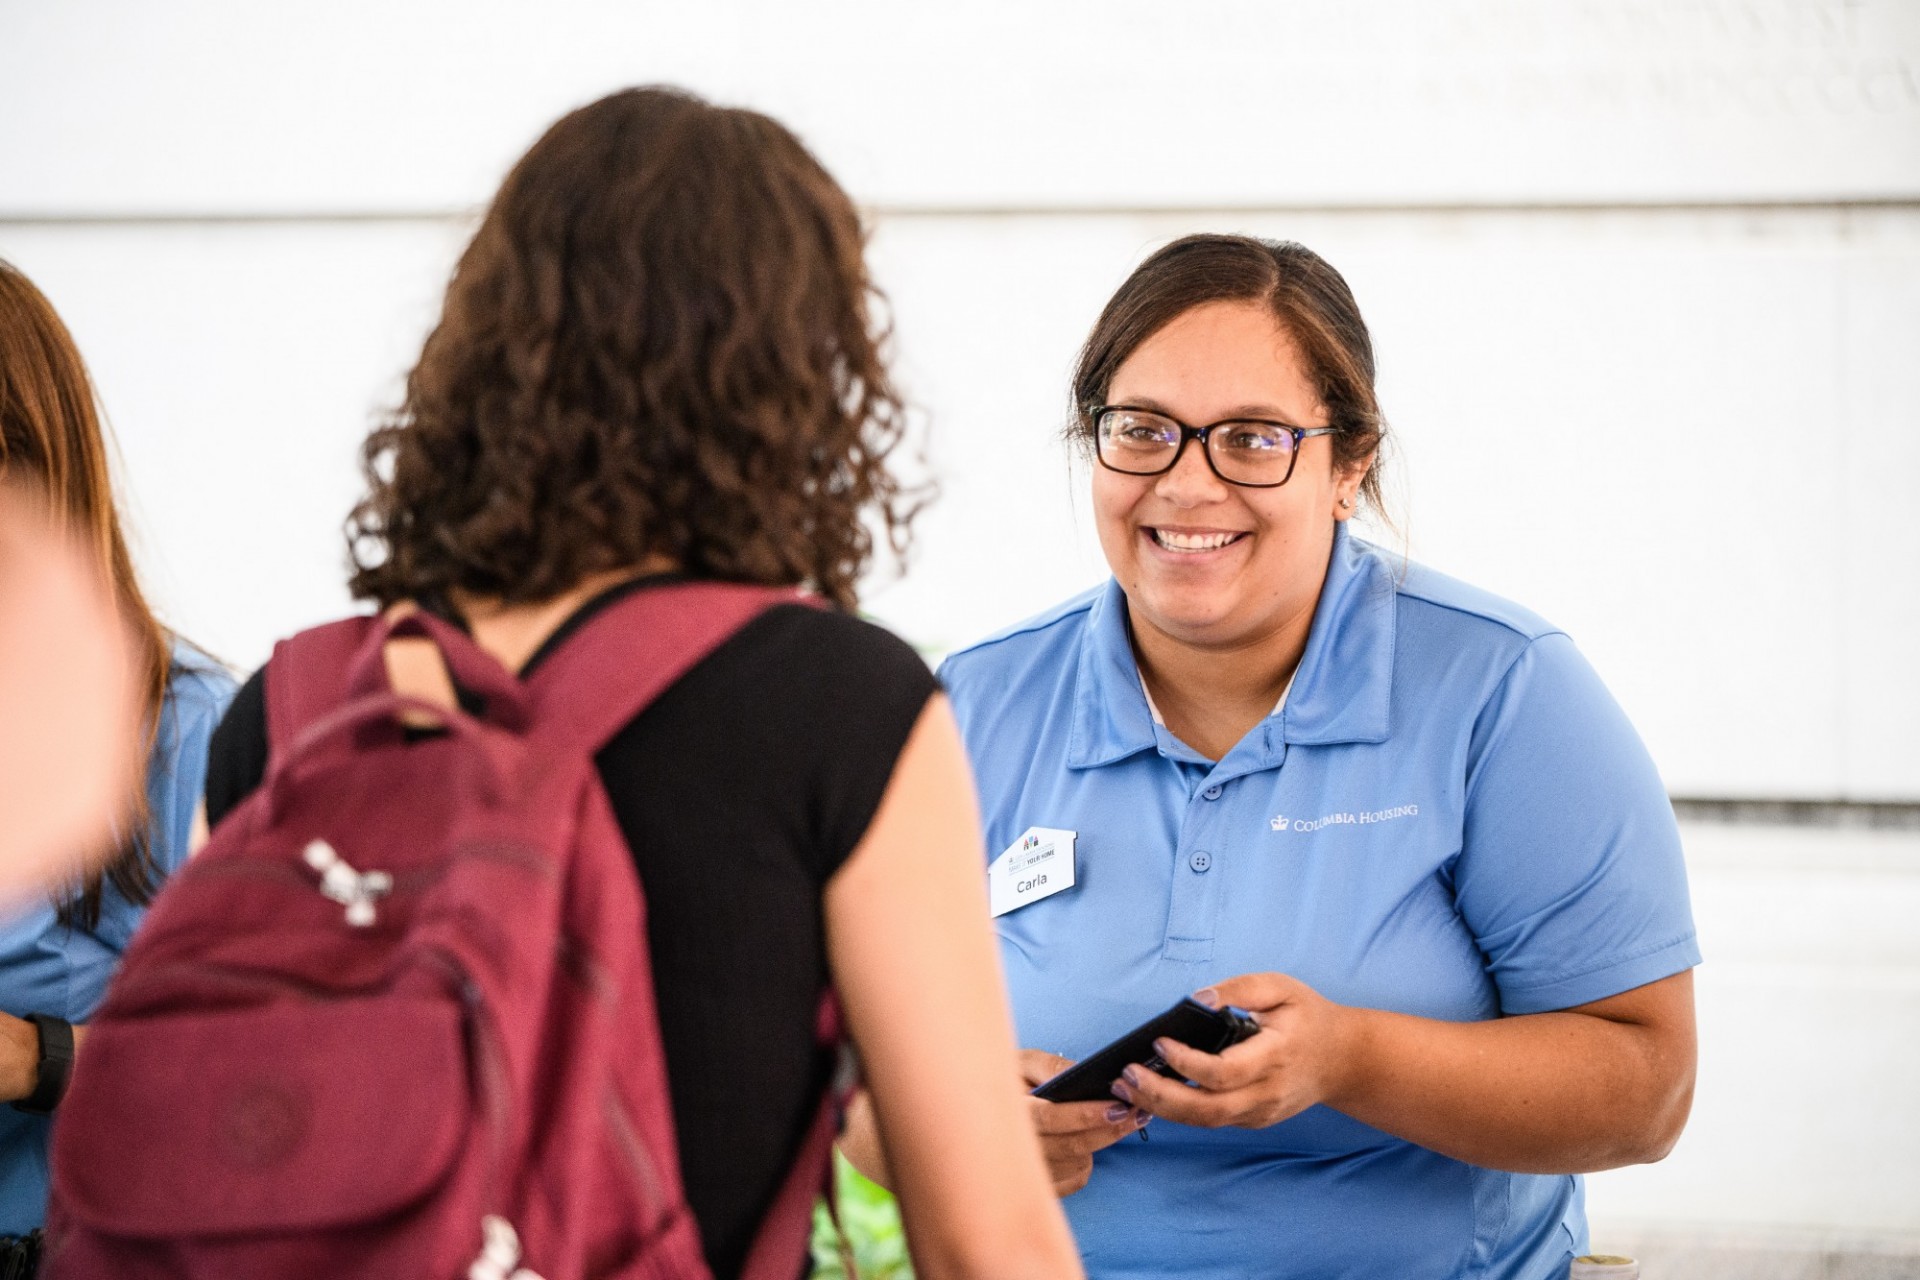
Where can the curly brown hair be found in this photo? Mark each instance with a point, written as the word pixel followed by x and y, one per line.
pixel 662 341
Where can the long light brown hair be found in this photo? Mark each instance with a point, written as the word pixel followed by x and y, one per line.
pixel 52 442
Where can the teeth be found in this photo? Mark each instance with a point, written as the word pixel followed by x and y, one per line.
pixel 1192 541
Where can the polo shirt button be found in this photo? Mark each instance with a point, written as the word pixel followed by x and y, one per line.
pixel 1211 793
pixel 1200 860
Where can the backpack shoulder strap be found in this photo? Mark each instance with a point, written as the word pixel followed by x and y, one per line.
pixel 626 655
pixel 788 1224
pixel 599 679
pixel 307 676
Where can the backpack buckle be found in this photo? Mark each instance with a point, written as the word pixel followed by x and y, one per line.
pixel 355 890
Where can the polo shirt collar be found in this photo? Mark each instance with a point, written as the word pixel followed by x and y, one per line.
pixel 1340 692
pixel 1111 720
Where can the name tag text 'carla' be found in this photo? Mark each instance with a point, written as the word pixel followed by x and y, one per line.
pixel 1037 865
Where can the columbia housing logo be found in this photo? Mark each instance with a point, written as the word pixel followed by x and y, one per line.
pixel 1281 822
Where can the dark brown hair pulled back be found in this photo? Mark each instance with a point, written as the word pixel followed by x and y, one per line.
pixel 1308 298
pixel 660 341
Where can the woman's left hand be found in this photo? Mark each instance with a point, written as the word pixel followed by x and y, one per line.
pixel 19 1057
pixel 1299 1057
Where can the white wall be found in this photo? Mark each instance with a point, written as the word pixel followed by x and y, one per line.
pixel 1685 431
pixel 1645 284
pixel 1805 1132
pixel 349 105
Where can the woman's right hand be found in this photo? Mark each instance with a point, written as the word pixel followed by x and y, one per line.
pixel 1070 1132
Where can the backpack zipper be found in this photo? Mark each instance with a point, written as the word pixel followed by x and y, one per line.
pixel 241 979
pixel 410 878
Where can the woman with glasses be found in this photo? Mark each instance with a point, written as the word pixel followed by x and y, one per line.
pixel 1396 819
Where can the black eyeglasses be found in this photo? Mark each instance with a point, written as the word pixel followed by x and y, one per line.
pixel 1252 452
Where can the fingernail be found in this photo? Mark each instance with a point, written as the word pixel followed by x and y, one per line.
pixel 1208 997
pixel 1160 1047
pixel 1122 1092
pixel 1131 1075
pixel 1140 1119
pixel 1118 1111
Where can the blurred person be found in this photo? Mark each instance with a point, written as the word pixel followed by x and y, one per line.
pixel 72 750
pixel 1397 819
pixel 658 365
pixel 69 710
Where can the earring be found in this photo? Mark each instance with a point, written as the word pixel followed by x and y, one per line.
pixel 1347 503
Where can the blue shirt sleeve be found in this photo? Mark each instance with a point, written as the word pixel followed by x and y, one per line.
pixel 197 696
pixel 1570 872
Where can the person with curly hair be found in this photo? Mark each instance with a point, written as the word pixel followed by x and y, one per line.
pixel 58 951
pixel 659 362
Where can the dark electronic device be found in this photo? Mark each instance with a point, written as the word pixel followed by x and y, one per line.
pixel 1189 1022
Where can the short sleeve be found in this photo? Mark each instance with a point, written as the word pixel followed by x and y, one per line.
pixel 1570 873
pixel 800 717
pixel 197 698
pixel 197 695
pixel 237 756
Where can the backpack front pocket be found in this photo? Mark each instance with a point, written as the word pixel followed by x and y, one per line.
pixel 285 1118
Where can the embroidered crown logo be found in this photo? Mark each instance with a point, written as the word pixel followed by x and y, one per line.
pixel 1279 822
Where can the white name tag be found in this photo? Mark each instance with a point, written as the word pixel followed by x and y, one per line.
pixel 1037 865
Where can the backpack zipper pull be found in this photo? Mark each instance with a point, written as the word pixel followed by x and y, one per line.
pixel 500 1255
pixel 355 890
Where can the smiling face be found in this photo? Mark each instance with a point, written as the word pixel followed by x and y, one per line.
pixel 1204 563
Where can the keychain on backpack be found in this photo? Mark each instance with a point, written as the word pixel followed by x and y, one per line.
pixel 355 890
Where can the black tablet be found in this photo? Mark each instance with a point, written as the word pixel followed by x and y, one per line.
pixel 1189 1022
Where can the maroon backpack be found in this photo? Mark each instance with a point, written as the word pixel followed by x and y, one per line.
pixel 397 1018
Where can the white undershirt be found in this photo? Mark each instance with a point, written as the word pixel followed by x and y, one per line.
pixel 1159 720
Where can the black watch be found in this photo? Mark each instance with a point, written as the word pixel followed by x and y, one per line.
pixel 56 1065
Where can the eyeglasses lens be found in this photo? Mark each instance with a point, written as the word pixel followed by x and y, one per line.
pixel 1254 452
pixel 1145 444
pixel 1140 443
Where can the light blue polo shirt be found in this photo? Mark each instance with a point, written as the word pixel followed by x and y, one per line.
pixel 1448 817
pixel 46 967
